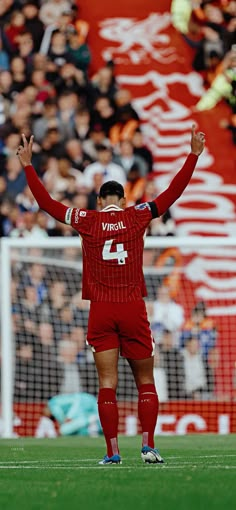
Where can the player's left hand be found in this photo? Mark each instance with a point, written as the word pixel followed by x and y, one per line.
pixel 24 151
pixel 197 141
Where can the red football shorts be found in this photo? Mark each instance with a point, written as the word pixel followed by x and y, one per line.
pixel 120 325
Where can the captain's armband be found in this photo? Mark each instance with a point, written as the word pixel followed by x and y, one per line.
pixel 68 215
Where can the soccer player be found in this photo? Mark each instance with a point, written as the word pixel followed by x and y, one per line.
pixel 113 241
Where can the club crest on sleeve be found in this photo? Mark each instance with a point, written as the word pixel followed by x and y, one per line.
pixel 145 205
pixel 79 213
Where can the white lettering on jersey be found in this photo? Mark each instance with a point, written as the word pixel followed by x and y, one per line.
pixel 120 254
pixel 68 216
pixel 113 226
pixel 77 216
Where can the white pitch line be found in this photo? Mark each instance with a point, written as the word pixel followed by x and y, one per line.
pixel 47 461
pixel 70 461
pixel 205 456
pixel 193 466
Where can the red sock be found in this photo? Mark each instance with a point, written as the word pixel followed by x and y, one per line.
pixel 148 411
pixel 108 413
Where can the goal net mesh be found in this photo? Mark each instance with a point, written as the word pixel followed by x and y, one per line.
pixel 191 309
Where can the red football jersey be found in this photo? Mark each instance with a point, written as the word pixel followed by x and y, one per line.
pixel 112 243
pixel 113 238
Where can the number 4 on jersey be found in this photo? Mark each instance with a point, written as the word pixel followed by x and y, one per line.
pixel 120 254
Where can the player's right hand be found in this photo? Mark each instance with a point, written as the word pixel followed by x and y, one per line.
pixel 24 151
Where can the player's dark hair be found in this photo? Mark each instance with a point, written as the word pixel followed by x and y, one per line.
pixel 111 188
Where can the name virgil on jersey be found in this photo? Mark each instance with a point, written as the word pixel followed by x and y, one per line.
pixel 113 226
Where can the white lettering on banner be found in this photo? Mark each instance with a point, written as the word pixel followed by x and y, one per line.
pixel 127 31
pixel 190 419
pixel 163 421
pixel 201 270
pixel 221 207
pixel 198 227
pixel 181 426
pixel 223 424
pixel 161 115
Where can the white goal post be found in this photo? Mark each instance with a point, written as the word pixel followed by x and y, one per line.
pixel 194 269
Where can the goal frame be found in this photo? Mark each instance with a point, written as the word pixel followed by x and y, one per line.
pixel 7 244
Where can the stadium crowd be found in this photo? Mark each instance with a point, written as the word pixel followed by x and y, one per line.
pixel 85 128
pixel 209 27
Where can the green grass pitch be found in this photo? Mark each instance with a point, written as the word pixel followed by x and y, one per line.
pixel 63 474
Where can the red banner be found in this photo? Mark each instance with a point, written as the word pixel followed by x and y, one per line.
pixel 153 60
pixel 177 417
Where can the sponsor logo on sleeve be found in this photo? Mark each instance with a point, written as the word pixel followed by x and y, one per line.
pixel 145 205
pixel 68 216
pixel 77 215
pixel 82 213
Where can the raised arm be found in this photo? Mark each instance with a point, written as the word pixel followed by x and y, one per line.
pixel 181 180
pixel 44 200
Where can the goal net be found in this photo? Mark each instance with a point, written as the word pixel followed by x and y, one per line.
pixel 191 285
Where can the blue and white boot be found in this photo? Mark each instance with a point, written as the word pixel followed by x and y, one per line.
pixel 115 459
pixel 151 455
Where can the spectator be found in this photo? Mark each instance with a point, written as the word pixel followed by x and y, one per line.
pixel 127 158
pixel 51 10
pixel 9 214
pixel 105 166
pixel 58 52
pixel 44 89
pixel 140 149
pixel 78 158
pixel 48 369
pixel 15 177
pixel 127 119
pixel 82 123
pixel 34 277
pixel 103 114
pixel 6 87
pixel 78 51
pixel 96 137
pixel 25 377
pixel 104 84
pixel 33 24
pixel 12 31
pixel 51 144
pixel 93 194
pixel 19 76
pixel 68 350
pixel 46 119
pixel 67 106
pixel 167 314
pixel 169 368
pixel 60 179
pixel 195 377
pixel 203 328
pixel 51 307
pixel 4 58
pixel 71 80
pixel 135 186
